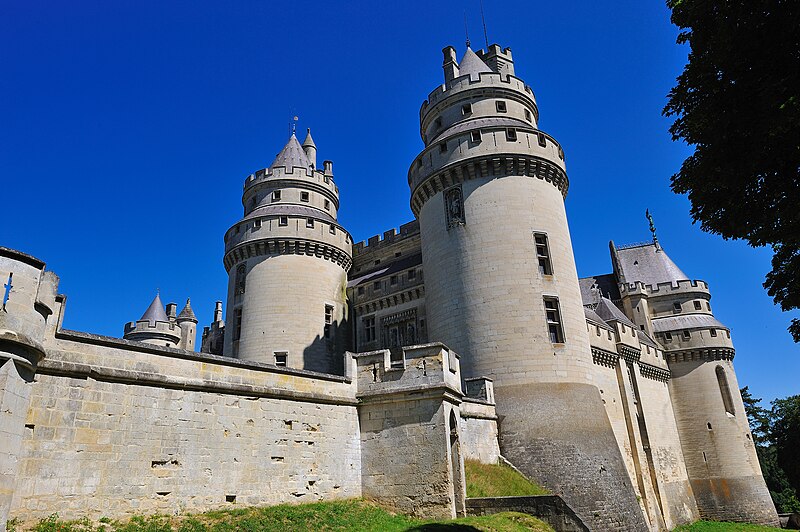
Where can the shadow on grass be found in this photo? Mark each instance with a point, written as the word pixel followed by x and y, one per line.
pixel 436 527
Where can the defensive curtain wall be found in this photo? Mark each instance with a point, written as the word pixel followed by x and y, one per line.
pixel 96 426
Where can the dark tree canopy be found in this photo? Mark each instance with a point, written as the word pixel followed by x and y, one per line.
pixel 738 103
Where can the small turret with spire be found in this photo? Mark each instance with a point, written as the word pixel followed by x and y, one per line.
pixel 155 327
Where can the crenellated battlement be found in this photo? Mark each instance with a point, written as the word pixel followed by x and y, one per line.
pixel 392 236
pixel 465 82
pixel 661 289
pixel 296 173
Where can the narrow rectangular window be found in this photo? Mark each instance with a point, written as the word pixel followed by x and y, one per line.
pixel 697 305
pixel 257 224
pixel 393 280
pixel 676 306
pixel 237 323
pixel 304 196
pixel 713 332
pixel 283 220
pixel 553 315
pixel 667 337
pixel 328 320
pixel 333 229
pixel 376 285
pixel 542 140
pixel 369 329
pixel 501 106
pixel 528 115
pixel 443 147
pixel 327 205
pixel 708 306
pixel 466 109
pixel 276 195
pixel 686 334
pixel 543 254
pixel 511 134
pixel 310 222
pixel 281 358
pixel 475 135
pixel 412 274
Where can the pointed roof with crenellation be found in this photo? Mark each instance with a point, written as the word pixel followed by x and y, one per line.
pixel 155 312
pixel 291 155
pixel 187 313
pixel 472 64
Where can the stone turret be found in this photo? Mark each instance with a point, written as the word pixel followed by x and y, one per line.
pixel 501 285
pixel 718 448
pixel 28 294
pixel 154 327
pixel 287 262
pixel 310 149
pixel 187 321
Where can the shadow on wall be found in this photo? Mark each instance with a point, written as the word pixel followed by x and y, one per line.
pixel 326 352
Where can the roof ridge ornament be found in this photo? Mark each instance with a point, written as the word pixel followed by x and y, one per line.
pixel 652 228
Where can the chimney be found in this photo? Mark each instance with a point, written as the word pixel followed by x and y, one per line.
pixel 328 168
pixel 218 311
pixel 450 64
pixel 172 311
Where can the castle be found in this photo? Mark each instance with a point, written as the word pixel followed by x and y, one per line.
pixel 374 369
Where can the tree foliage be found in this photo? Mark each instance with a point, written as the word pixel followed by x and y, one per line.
pixel 738 103
pixel 776 433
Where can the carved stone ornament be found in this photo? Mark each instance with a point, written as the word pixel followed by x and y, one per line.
pixel 454 206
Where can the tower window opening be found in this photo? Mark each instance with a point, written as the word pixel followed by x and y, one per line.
pixel 327 205
pixel 466 109
pixel 501 106
pixel 667 336
pixel 304 196
pixel 437 123
pixel 393 280
pixel 553 315
pixel 276 195
pixel 443 147
pixel 328 320
pixel 708 306
pixel 542 139
pixel 528 116
pixel 543 254
pixel 713 332
pixel 475 136
pixel 724 389
pixel 376 285
pixel 281 358
pixel 728 333
pixel 697 305
pixel 412 274
pixel 686 334
pixel 511 134
pixel 310 223
pixel 240 279
pixel 283 220
pixel 369 329
pixel 237 324
pixel 676 306
pixel 333 229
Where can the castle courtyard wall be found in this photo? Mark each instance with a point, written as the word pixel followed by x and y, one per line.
pixel 479 432
pixel 116 428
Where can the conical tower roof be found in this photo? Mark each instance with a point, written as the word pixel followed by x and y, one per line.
pixel 309 141
pixel 291 155
pixel 155 312
pixel 187 313
pixel 471 64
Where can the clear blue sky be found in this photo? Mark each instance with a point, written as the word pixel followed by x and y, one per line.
pixel 127 128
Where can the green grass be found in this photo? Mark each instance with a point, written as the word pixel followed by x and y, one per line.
pixel 714 526
pixel 356 515
pixel 488 480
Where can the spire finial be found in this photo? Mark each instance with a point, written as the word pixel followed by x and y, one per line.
pixel 466 29
pixel 652 227
pixel 294 124
pixel 485 35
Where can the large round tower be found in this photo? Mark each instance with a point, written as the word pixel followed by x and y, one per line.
pixel 501 284
pixel 287 262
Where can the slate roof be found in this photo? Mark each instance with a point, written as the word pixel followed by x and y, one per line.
pixel 645 339
pixel 291 155
pixel 491 121
pixel 401 264
pixel 686 321
pixel 607 284
pixel 471 64
pixel 648 264
pixel 309 141
pixel 608 311
pixel 155 312
pixel 187 313
pixel 594 318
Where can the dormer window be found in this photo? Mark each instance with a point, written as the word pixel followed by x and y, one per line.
pixel 283 221
pixel 276 195
pixel 511 134
pixel 310 223
pixel 542 140
pixel 466 109
pixel 475 136
pixel 501 106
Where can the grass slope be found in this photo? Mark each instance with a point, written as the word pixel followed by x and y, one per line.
pixel 487 480
pixel 714 526
pixel 355 515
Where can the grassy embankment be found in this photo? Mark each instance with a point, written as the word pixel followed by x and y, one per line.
pixel 712 526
